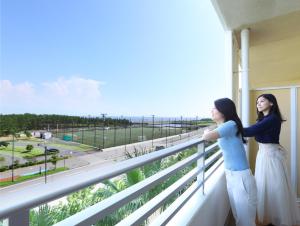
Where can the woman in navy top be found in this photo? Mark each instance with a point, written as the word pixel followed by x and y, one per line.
pixel 276 200
pixel 241 185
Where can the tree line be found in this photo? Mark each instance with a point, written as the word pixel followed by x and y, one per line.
pixel 13 123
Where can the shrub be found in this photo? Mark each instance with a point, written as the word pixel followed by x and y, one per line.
pixel 3 168
pixel 16 163
pixel 4 143
pixel 28 134
pixel 29 147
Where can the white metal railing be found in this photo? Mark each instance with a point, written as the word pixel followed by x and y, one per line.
pixel 16 207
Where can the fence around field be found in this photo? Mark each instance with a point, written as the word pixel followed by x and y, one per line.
pixel 105 136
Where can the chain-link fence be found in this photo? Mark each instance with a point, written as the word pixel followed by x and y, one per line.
pixel 104 135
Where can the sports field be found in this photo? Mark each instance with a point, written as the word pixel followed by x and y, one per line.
pixel 108 137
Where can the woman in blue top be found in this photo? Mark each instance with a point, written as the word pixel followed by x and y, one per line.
pixel 241 185
pixel 276 199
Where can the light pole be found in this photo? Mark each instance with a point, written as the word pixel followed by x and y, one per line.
pixel 72 131
pixel 13 158
pixel 45 154
pixel 161 127
pixel 181 125
pixel 95 128
pixel 45 151
pixel 115 132
pixel 169 125
pixel 143 128
pixel 103 119
pixel 152 129
pixel 130 130
pixel 125 136
pixel 175 124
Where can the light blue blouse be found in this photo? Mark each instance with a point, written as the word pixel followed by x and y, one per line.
pixel 232 147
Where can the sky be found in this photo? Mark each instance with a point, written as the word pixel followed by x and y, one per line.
pixel 131 58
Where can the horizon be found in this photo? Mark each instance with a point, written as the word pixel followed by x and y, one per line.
pixel 146 117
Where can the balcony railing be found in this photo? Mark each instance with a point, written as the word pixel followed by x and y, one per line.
pixel 16 207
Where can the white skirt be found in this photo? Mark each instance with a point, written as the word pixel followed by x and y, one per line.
pixel 276 200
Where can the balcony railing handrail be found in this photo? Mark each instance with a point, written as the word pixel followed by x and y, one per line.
pixel 12 204
pixel 92 214
pixel 165 216
pixel 107 206
pixel 141 214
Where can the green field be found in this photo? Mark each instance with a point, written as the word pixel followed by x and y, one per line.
pixel 20 151
pixel 29 177
pixel 20 147
pixel 115 137
pixel 79 147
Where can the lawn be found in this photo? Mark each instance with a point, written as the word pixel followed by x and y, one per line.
pixel 21 152
pixel 29 177
pixel 19 149
pixel 80 147
pixel 115 137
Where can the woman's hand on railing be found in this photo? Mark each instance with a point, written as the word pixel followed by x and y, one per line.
pixel 210 135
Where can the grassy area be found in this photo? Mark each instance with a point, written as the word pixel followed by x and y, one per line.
pixel 207 123
pixel 18 151
pixel 25 139
pixel 118 136
pixel 29 177
pixel 81 147
pixel 20 147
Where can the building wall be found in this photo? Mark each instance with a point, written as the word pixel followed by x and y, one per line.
pixel 271 83
pixel 274 62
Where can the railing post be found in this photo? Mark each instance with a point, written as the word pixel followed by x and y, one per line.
pixel 5 222
pixel 19 218
pixel 200 164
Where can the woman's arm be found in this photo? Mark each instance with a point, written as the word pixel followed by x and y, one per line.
pixel 259 127
pixel 210 135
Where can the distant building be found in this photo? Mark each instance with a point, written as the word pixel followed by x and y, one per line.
pixel 41 134
pixel 46 135
pixel 36 134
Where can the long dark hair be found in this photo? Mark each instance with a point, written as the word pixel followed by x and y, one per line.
pixel 228 109
pixel 274 108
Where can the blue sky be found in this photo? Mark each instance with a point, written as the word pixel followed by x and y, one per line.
pixel 117 57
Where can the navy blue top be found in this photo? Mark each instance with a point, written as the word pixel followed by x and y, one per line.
pixel 266 130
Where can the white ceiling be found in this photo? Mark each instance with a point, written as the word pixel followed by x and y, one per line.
pixel 236 14
pixel 274 58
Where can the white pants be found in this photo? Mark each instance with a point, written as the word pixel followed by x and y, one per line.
pixel 242 192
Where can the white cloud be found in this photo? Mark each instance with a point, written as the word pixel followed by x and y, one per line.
pixel 75 95
pixel 10 92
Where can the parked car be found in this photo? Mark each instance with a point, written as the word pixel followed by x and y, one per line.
pixel 52 150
